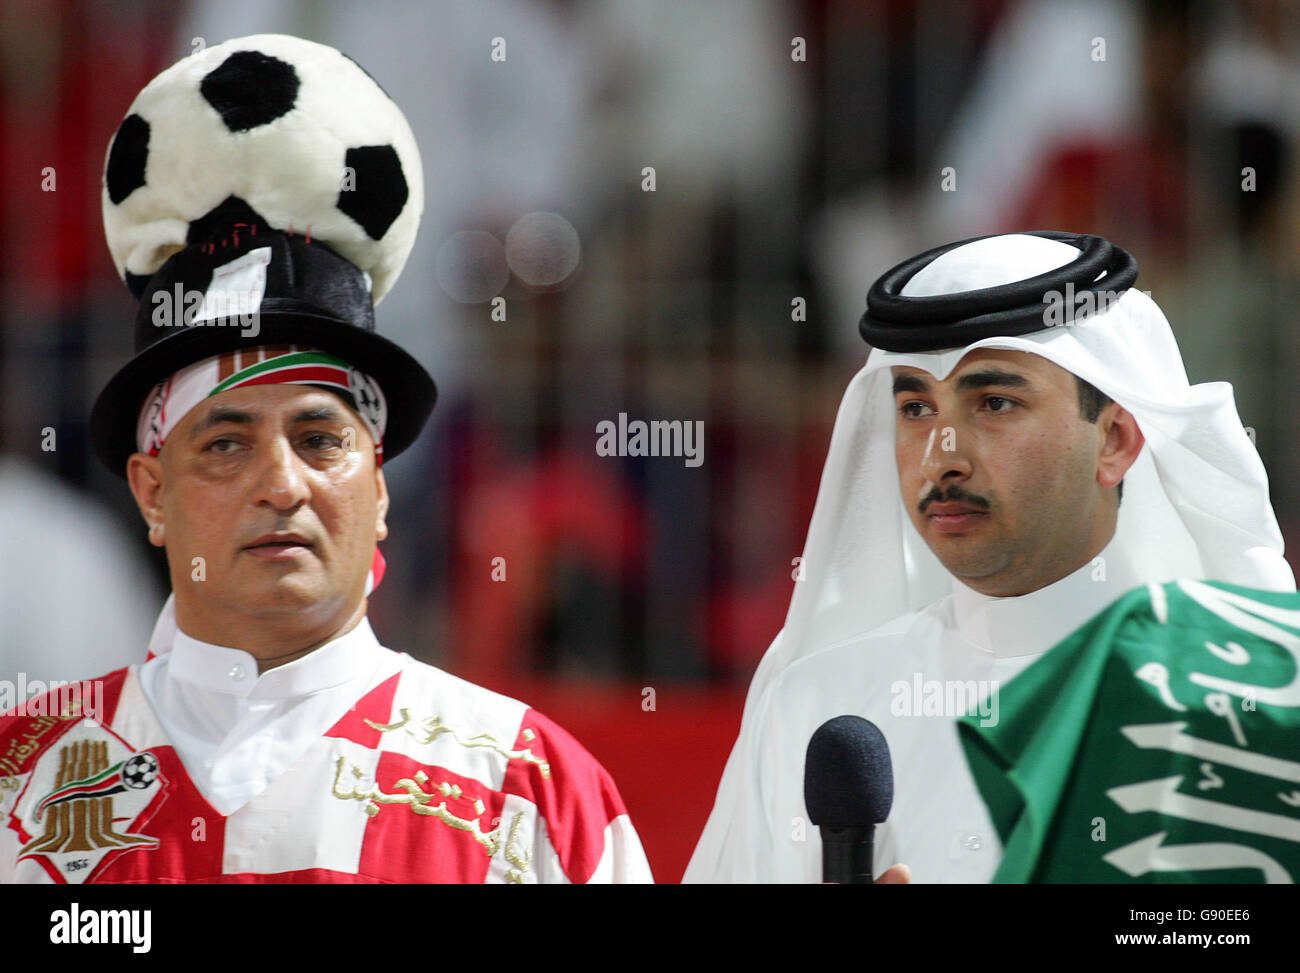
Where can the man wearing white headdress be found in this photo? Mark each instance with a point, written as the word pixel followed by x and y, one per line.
pixel 969 518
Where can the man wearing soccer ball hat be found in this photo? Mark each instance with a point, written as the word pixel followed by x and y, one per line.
pixel 259 198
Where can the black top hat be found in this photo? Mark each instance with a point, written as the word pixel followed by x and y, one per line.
pixel 312 297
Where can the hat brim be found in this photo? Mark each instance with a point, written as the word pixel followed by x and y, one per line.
pixel 407 387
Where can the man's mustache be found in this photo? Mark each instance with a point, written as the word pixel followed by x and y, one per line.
pixel 953 495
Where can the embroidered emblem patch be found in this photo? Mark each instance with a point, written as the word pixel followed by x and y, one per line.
pixel 86 798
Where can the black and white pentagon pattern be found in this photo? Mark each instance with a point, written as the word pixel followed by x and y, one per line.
pixel 140 770
pixel 294 130
pixel 378 190
pixel 249 89
pixel 224 222
pixel 124 173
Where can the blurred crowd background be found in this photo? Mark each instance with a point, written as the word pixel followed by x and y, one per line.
pixel 783 186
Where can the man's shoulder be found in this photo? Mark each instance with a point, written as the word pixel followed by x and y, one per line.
pixel 33 716
pixel 865 648
pixel 473 711
pixel 844 675
pixel 23 701
pixel 455 695
pixel 440 719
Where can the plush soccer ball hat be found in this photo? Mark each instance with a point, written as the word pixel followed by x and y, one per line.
pixel 297 130
pixel 284 160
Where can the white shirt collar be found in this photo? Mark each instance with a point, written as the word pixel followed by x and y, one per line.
pixel 1031 624
pixel 220 669
pixel 236 731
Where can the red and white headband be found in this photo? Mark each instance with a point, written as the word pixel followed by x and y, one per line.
pixel 172 399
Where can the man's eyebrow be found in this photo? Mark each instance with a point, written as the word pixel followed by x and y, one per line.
pixel 993 376
pixel 324 413
pixel 910 383
pixel 222 415
pixel 219 416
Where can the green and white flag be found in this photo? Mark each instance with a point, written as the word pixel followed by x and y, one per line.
pixel 1159 743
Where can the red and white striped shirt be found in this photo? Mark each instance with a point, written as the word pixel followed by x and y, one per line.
pixel 421 777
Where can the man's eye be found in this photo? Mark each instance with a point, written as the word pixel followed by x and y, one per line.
pixel 990 400
pixel 907 407
pixel 322 440
pixel 222 445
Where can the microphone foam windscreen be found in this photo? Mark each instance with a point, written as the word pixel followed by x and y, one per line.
pixel 848 779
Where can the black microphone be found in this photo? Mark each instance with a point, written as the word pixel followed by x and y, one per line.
pixel 848 788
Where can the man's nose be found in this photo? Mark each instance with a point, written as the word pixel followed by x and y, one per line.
pixel 281 480
pixel 947 456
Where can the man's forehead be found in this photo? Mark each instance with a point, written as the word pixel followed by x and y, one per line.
pixel 1003 359
pixel 276 403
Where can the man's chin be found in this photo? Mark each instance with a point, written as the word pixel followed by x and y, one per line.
pixel 294 592
pixel 989 573
pixel 969 559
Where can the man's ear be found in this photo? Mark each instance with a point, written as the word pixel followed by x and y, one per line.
pixel 1121 442
pixel 144 474
pixel 381 507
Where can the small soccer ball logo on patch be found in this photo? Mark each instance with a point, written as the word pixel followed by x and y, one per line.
pixel 140 771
